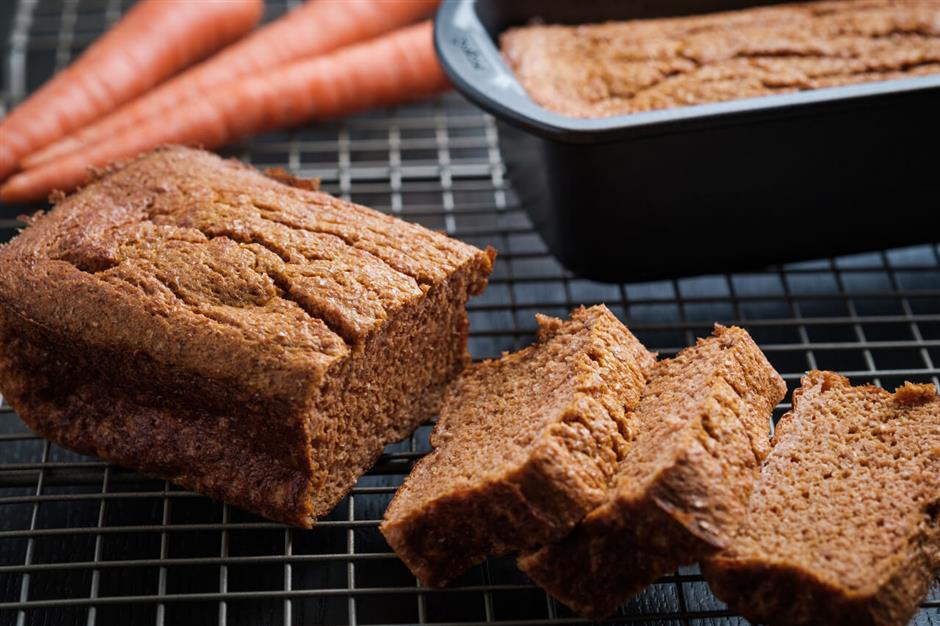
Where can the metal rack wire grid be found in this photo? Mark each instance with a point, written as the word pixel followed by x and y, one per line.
pixel 84 542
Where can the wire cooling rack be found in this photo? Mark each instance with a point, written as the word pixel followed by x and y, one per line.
pixel 84 542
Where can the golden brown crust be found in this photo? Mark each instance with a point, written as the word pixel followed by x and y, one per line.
pixel 525 446
pixel 283 176
pixel 181 293
pixel 682 488
pixel 599 70
pixel 210 452
pixel 843 527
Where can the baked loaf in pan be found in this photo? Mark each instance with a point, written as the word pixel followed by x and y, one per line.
pixel 843 528
pixel 524 448
pixel 703 427
pixel 616 68
pixel 258 342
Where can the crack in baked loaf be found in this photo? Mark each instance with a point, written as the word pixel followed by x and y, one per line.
pixel 703 427
pixel 843 527
pixel 525 446
pixel 190 318
pixel 598 70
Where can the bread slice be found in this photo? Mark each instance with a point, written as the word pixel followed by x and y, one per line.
pixel 682 489
pixel 843 528
pixel 525 447
pixel 261 343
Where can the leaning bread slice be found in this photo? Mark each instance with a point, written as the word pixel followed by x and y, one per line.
pixel 843 527
pixel 681 490
pixel 525 446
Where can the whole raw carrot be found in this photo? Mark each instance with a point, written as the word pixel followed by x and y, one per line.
pixel 155 39
pixel 317 27
pixel 394 68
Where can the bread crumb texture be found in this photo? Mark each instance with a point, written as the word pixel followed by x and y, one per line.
pixel 844 524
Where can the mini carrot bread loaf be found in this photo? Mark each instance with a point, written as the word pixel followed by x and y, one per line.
pixel 255 341
pixel 703 428
pixel 843 528
pixel 525 446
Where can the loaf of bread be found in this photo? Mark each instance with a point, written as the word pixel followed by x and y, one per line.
pixel 599 70
pixel 843 527
pixel 258 342
pixel 524 448
pixel 703 427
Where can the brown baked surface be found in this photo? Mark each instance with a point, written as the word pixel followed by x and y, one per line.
pixel 190 318
pixel 703 428
pixel 843 528
pixel 524 448
pixel 599 70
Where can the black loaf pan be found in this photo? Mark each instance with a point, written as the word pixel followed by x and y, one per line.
pixel 707 188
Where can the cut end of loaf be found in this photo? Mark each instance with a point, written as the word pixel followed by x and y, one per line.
pixel 397 381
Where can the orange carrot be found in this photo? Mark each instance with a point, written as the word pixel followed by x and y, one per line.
pixel 317 27
pixel 394 68
pixel 155 39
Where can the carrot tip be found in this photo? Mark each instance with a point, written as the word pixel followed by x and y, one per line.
pixel 8 195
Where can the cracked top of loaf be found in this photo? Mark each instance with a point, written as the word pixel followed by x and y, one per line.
pixel 211 266
pixel 616 68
